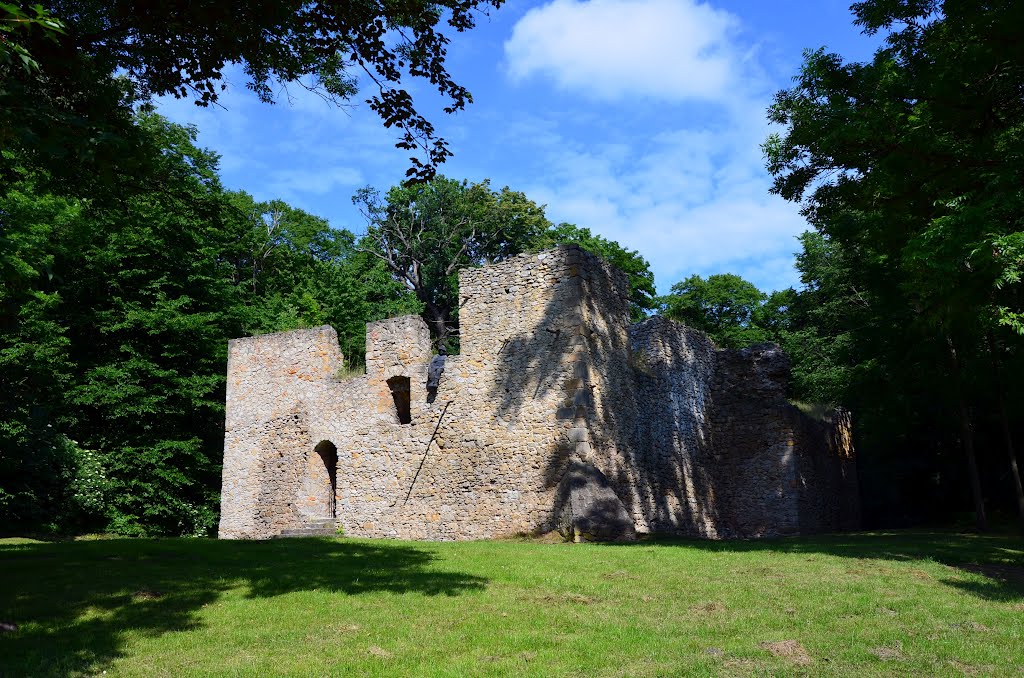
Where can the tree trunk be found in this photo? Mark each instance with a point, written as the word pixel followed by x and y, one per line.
pixel 1005 424
pixel 967 438
pixel 437 320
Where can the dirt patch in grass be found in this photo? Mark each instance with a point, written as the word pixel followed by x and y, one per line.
pixel 342 628
pixel 147 594
pixel 620 574
pixel 378 652
pixel 748 666
pixel 708 607
pixel 969 626
pixel 967 669
pixel 790 650
pixel 525 656
pixel 561 598
pixel 888 652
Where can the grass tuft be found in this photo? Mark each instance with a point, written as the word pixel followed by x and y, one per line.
pixel 348 371
pixel 817 411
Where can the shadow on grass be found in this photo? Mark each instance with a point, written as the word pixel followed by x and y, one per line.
pixel 73 602
pixel 997 557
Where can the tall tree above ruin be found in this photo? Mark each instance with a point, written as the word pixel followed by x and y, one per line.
pixel 425 233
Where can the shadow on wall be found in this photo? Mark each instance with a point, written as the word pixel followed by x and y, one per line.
pixel 159 586
pixel 693 440
pixel 631 428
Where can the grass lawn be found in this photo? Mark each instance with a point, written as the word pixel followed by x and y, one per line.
pixel 907 603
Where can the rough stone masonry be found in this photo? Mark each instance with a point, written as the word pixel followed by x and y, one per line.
pixel 557 414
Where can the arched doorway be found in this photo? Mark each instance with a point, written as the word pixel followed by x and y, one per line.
pixel 322 480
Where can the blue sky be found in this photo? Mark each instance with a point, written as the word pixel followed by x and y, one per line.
pixel 639 119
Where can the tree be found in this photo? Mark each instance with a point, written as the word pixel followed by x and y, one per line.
pixel 724 306
pixel 423 234
pixel 37 462
pixel 911 164
pixel 115 314
pixel 294 270
pixel 16 24
pixel 641 280
pixel 148 304
pixel 181 48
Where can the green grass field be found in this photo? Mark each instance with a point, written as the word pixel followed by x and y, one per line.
pixel 914 603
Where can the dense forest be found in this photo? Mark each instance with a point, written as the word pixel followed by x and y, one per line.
pixel 126 265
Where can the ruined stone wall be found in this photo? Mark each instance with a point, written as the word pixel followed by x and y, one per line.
pixel 697 440
pixel 481 460
pixel 270 379
pixel 691 439
pixel 672 370
pixel 646 398
pixel 777 470
pixel 827 472
pixel 755 457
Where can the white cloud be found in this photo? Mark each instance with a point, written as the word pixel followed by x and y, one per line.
pixel 609 49
pixel 681 181
pixel 667 162
pixel 692 201
pixel 291 182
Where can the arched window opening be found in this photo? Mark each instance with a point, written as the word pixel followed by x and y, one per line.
pixel 403 404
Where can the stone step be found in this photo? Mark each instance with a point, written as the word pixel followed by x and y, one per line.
pixel 312 526
pixel 308 532
pixel 316 522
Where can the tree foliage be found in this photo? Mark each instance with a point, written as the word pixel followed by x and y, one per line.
pixel 724 306
pixel 425 233
pixel 910 167
pixel 114 322
pixel 59 95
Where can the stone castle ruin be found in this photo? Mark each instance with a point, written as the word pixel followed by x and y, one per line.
pixel 557 414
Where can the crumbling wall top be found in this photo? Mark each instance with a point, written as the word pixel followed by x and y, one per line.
pixel 393 344
pixel 267 372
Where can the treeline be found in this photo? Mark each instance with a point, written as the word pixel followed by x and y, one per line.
pixel 114 317
pixel 116 310
pixel 910 170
